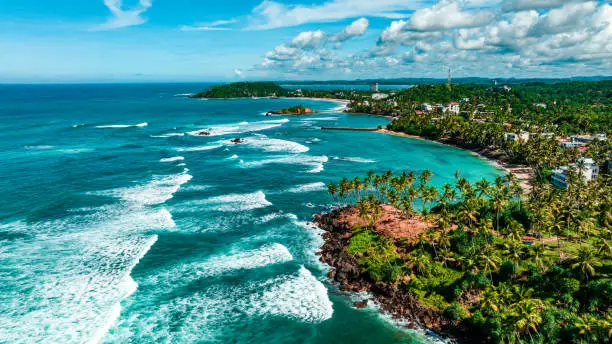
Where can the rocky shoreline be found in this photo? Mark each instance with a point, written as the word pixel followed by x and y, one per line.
pixel 393 299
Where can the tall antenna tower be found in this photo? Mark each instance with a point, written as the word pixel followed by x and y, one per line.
pixel 449 78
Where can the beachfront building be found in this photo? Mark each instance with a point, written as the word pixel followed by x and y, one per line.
pixel 380 96
pixel 586 168
pixel 374 87
pixel 454 108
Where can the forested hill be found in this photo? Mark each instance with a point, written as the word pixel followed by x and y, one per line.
pixel 242 90
pixel 570 93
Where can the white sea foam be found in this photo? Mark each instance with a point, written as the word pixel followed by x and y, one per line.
pixel 157 191
pixel 198 149
pixel 271 217
pixel 172 159
pixel 314 119
pixel 202 315
pixel 120 126
pixel 168 135
pixel 355 159
pixel 39 147
pixel 238 128
pixel 232 157
pixel 67 284
pixel 319 186
pixel 315 163
pixel 232 202
pixel 190 188
pixel 274 145
pixel 246 260
pixel 301 297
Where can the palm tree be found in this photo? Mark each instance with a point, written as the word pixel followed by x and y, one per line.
pixel 527 315
pixel 482 186
pixel 586 262
pixel 499 202
pixel 587 325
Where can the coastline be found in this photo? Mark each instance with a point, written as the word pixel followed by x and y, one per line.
pixel 521 172
pixel 403 307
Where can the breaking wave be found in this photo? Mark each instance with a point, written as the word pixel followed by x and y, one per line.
pixel 315 163
pixel 354 159
pixel 274 145
pixel 172 159
pixel 119 126
pixel 238 128
pixel 228 203
pixel 319 186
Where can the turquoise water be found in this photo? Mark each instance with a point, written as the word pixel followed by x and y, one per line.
pixel 119 225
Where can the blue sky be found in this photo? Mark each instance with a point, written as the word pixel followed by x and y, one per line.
pixel 201 40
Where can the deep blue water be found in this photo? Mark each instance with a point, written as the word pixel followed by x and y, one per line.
pixel 120 224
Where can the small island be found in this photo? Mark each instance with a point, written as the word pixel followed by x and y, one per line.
pixel 298 110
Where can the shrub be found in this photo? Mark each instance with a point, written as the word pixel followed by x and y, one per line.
pixel 455 312
pixel 507 270
pixel 377 255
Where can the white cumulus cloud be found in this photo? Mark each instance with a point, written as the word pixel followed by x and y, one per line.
pixel 122 17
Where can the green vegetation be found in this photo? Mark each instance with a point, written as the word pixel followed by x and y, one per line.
pixel 377 255
pixel 506 266
pixel 564 108
pixel 270 89
pixel 242 90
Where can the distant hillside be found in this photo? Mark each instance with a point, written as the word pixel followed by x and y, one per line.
pixel 242 90
pixel 463 80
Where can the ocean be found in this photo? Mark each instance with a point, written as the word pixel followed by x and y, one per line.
pixel 120 224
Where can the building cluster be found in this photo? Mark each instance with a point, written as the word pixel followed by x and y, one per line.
pixel 580 141
pixel 452 107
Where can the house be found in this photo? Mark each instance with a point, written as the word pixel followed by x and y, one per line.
pixel 374 87
pixel 440 108
pixel 589 138
pixel 465 100
pixel 549 136
pixel 587 168
pixel 379 96
pixel 454 108
pixel 418 112
pixel 392 102
pixel 522 136
pixel 507 88
pixel 540 105
pixel 426 107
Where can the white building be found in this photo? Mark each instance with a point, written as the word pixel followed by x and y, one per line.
pixel 589 138
pixel 522 136
pixel 379 96
pixel 374 87
pixel 454 108
pixel 426 107
pixel 587 168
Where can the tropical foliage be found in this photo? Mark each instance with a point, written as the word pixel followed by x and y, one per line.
pixel 511 267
